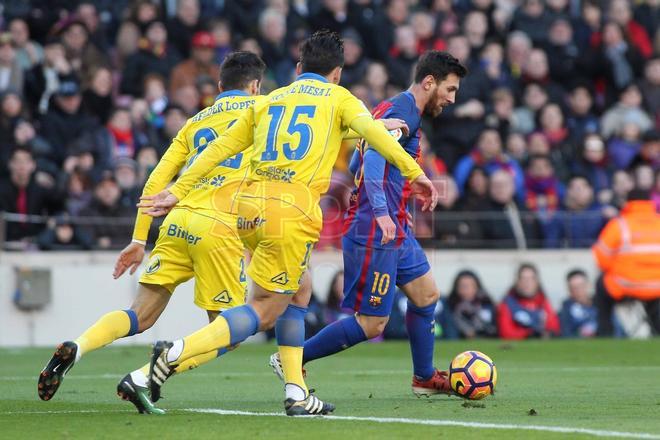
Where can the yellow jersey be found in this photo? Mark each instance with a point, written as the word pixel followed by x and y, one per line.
pixel 216 190
pixel 297 132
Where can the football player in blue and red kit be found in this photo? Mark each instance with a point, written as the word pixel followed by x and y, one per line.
pixel 380 250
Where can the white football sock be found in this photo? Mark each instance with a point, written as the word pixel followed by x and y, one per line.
pixel 139 378
pixel 176 350
pixel 294 392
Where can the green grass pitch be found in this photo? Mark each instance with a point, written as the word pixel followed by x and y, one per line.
pixel 608 387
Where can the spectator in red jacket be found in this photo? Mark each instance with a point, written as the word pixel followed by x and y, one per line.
pixel 525 312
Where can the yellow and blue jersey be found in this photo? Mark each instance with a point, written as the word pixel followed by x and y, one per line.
pixel 215 192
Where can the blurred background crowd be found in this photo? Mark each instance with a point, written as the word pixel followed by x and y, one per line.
pixel 556 122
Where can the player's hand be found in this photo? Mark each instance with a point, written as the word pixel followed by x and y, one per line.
pixel 425 191
pixel 158 204
pixel 394 123
pixel 387 227
pixel 131 256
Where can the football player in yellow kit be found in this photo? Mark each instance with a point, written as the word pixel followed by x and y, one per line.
pixel 297 131
pixel 198 238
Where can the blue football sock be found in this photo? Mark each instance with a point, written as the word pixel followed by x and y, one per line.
pixel 421 328
pixel 290 326
pixel 335 337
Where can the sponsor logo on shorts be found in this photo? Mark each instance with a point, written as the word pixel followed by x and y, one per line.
pixel 177 231
pixel 375 301
pixel 277 174
pixel 154 264
pixel 222 297
pixel 281 278
pixel 243 223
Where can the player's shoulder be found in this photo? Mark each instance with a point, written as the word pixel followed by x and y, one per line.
pixel 404 103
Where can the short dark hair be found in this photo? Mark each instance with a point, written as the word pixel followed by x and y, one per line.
pixel 21 148
pixel 322 52
pixel 439 65
pixel 575 273
pixel 239 68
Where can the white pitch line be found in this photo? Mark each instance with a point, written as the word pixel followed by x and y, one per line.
pixel 478 425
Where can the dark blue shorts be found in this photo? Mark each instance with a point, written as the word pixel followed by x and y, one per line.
pixel 372 274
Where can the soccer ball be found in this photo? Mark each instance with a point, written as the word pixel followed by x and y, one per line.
pixel 472 375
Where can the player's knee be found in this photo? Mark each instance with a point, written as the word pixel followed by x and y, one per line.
pixel 426 298
pixel 372 325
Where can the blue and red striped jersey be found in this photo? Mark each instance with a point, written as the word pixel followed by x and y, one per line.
pixel 379 186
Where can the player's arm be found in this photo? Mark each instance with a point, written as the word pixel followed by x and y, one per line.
pixel 355 116
pixel 606 248
pixel 236 139
pixel 168 166
pixel 373 173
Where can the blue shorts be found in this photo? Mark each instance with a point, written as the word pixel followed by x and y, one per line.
pixel 371 274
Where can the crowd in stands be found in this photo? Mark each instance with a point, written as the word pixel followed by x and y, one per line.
pixel 557 120
pixel 468 311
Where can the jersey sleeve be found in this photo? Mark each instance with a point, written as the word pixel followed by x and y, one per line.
pixel 380 140
pixel 236 139
pixel 168 166
pixel 374 170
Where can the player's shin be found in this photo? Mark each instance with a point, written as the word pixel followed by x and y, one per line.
pixel 421 332
pixel 290 333
pixel 108 328
pixel 335 337
pixel 229 329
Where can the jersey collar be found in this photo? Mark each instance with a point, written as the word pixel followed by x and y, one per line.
pixel 234 92
pixel 310 75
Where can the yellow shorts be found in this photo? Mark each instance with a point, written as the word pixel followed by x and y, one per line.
pixel 279 223
pixel 206 247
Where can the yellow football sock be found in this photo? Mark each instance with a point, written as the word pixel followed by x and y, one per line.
pixel 208 339
pixel 195 361
pixel 291 358
pixel 108 328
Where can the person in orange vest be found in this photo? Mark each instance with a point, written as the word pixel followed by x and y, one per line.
pixel 628 253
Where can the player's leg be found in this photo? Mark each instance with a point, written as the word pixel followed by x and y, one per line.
pixel 418 285
pixel 369 287
pixel 150 302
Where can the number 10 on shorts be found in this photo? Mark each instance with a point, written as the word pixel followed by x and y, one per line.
pixel 381 283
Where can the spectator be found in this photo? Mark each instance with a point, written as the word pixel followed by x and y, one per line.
pixel 551 124
pixel 625 144
pixel 29 53
pixel 333 309
pixel 451 229
pixel 111 222
pixel 475 196
pixel 580 120
pixel 543 196
pixel 61 235
pixel 201 63
pixel 563 53
pixel 649 152
pixel 471 308
pixel 43 80
pixel 127 43
pixel 491 60
pixel 424 25
pixel 184 24
pixel 533 19
pixel 78 192
pixel 22 194
pixel 355 64
pixel 126 175
pixel 650 88
pixel 403 56
pixel 620 12
pixel 26 136
pixel 272 32
pixel 175 117
pixel 66 122
pixel 578 316
pixel 627 254
pixel 643 177
pixel 475 28
pixel 518 48
pixel 584 216
pixel 516 146
pixel 536 71
pixel 525 312
pixel 97 95
pixel 489 155
pixel 115 140
pixel 622 184
pixel 11 73
pixel 80 52
pixel 221 31
pixel 594 164
pixel 89 16
pixel 504 223
pixel 533 99
pixel 154 56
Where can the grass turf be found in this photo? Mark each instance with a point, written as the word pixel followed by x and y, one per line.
pixel 606 385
